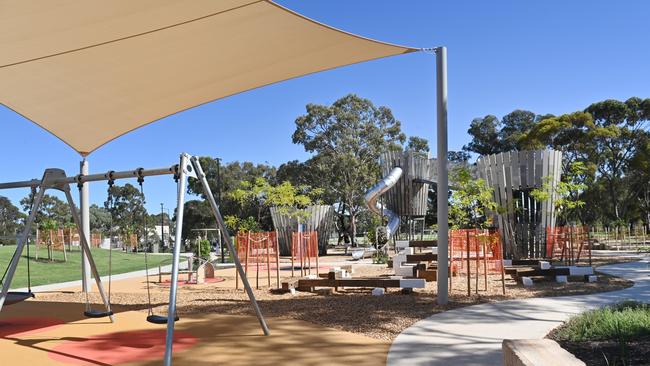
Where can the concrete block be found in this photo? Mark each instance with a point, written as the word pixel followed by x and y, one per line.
pixel 592 278
pixel 401 244
pixel 544 265
pixel 536 352
pixel 527 281
pixel 581 271
pixel 507 262
pixel 395 277
pixel 561 279
pixel 377 291
pixel 292 291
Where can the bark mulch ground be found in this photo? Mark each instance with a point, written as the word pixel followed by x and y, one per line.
pixel 353 310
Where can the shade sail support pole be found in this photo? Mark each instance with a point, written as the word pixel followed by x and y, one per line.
pixel 443 179
pixel 84 212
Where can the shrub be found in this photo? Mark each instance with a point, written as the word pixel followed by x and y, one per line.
pixel 622 322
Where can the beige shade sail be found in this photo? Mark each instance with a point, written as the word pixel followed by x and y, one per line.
pixel 89 71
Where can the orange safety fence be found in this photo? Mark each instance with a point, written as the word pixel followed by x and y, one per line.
pixel 304 251
pixel 475 251
pixel 258 252
pixel 567 243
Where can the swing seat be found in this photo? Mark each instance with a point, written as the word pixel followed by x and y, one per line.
pixel 14 297
pixel 159 319
pixel 97 314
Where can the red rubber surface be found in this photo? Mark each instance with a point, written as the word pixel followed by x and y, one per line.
pixel 18 327
pixel 119 348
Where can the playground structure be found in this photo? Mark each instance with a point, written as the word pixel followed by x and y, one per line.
pixel 514 175
pixel 56 179
pixel 260 253
pixel 321 219
pixel 90 108
pixel 406 194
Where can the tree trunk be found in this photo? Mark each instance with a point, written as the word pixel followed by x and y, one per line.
pixel 353 228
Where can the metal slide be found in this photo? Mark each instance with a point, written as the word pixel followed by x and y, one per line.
pixel 372 195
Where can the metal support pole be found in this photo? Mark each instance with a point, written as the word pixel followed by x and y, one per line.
pixel 217 214
pixel 21 245
pixel 443 184
pixel 84 210
pixel 171 312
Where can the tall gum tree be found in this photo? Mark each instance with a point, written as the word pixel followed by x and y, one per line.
pixel 347 138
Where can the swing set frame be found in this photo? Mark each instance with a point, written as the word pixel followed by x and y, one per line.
pixel 188 166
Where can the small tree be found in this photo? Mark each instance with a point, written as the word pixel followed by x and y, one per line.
pixel 566 192
pixel 471 200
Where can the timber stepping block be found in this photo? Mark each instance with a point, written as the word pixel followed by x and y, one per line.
pixel 423 257
pixel 423 243
pixel 361 282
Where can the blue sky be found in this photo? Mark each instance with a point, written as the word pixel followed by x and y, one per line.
pixel 544 56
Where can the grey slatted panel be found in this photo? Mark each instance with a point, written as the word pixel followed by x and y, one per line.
pixel 530 169
pixel 516 171
pixel 545 158
pixel 539 162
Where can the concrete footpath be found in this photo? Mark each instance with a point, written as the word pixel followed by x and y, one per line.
pixel 472 335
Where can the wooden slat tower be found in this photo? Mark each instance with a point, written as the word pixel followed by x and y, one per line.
pixel 321 219
pixel 522 220
pixel 408 198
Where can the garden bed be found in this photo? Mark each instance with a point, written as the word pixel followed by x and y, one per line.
pixel 616 335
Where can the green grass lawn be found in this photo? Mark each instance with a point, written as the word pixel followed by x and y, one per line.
pixel 44 272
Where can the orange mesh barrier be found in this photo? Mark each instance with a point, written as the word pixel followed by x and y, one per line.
pixel 304 251
pixel 475 251
pixel 259 252
pixel 567 243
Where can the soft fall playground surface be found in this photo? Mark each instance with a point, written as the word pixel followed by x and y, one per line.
pixel 53 333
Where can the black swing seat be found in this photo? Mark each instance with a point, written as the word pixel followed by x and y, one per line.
pixel 14 297
pixel 97 314
pixel 159 319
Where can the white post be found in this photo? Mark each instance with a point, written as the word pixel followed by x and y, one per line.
pixel 84 211
pixel 443 184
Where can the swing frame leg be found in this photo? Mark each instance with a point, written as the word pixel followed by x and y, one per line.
pixel 49 177
pixel 21 245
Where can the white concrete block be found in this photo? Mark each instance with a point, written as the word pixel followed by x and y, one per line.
pixel 292 291
pixel 527 281
pixel 544 265
pixel 378 291
pixel 592 278
pixel 507 262
pixel 434 250
pixel 412 283
pixel 401 244
pixel 561 279
pixel 581 271
pixel 395 277
pixel 311 277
